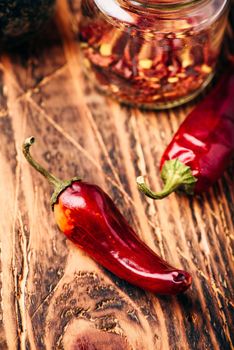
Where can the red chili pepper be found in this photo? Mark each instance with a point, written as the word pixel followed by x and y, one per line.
pixel 202 147
pixel 90 219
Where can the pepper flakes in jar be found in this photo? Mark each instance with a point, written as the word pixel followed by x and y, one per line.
pixel 152 54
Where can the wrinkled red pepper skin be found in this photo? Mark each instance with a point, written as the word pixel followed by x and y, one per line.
pixel 205 140
pixel 90 219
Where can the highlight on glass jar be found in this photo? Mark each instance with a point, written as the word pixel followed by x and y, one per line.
pixel 153 54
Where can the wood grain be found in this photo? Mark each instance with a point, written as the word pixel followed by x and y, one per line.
pixel 53 296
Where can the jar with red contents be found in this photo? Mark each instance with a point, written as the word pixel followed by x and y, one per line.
pixel 155 53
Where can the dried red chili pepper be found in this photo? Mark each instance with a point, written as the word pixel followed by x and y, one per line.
pixel 90 219
pixel 202 147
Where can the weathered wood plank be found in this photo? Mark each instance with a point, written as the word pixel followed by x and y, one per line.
pixel 53 295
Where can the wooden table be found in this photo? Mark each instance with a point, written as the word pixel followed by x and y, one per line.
pixel 53 296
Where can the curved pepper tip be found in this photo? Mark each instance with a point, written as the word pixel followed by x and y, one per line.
pixel 182 280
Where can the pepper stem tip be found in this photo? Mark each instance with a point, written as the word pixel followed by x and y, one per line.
pixel 29 141
pixel 140 180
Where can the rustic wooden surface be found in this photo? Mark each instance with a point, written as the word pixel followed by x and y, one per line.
pixel 52 295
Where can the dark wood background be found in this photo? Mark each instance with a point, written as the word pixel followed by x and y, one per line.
pixel 53 296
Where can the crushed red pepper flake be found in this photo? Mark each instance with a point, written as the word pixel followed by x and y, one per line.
pixel 144 68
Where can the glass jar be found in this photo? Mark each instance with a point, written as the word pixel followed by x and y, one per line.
pixel 155 53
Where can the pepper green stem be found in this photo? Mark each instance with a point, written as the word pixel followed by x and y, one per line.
pixel 175 176
pixel 59 185
pixel 26 151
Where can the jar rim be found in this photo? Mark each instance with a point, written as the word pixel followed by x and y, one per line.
pixel 161 4
pixel 125 12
